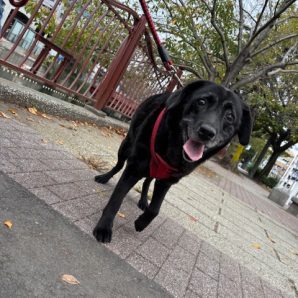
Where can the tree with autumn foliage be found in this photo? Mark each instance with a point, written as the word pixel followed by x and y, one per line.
pixel 276 105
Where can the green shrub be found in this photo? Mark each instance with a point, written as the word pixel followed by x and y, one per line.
pixel 269 181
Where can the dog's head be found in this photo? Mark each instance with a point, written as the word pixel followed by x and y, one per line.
pixel 211 116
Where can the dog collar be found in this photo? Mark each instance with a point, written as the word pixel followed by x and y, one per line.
pixel 159 168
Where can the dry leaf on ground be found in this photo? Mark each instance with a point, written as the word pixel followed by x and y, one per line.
pixel 256 245
pixel 59 142
pixel 45 116
pixel 70 279
pixel 193 218
pixel 3 115
pixel 13 111
pixel 120 214
pixel 8 223
pixel 32 110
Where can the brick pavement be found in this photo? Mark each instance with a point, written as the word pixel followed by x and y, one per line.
pixel 165 252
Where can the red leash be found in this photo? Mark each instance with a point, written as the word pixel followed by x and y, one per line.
pixel 163 53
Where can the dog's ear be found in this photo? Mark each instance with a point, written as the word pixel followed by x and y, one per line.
pixel 245 126
pixel 183 94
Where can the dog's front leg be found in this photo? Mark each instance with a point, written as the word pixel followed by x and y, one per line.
pixel 161 187
pixel 103 230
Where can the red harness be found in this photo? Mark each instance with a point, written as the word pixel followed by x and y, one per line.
pixel 159 168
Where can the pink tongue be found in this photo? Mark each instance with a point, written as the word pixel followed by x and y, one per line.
pixel 194 150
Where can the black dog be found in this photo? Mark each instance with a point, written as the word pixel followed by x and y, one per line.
pixel 193 124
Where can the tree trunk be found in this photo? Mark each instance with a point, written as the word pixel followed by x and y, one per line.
pixel 270 163
pixel 260 158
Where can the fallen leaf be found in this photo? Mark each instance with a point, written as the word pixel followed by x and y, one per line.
pixel 32 110
pixel 44 141
pixel 3 115
pixel 8 223
pixel 193 218
pixel 13 111
pixel 122 215
pixel 256 245
pixel 59 142
pixel 45 116
pixel 70 279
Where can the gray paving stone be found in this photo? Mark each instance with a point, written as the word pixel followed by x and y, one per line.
pixel 4 142
pixel 179 259
pixel 85 225
pixel 203 285
pixel 250 291
pixel 123 244
pixel 210 251
pixel 191 294
pixel 53 164
pixel 74 209
pixel 67 191
pixel 142 265
pixel 7 167
pixel 32 180
pixel 230 268
pixel 45 195
pixel 208 265
pixel 190 242
pixel 249 277
pixel 174 282
pixel 228 288
pixel 154 251
pixel 29 165
pixel 168 233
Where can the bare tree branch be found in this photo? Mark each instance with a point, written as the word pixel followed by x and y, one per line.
pixel 266 71
pixel 221 35
pixel 260 17
pixel 241 26
pixel 273 44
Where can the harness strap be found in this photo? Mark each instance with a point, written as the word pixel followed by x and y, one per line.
pixel 159 168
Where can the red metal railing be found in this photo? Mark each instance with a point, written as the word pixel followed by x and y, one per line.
pixel 97 51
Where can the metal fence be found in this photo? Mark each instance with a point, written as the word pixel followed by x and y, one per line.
pixel 95 50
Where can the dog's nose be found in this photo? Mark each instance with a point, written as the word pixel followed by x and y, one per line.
pixel 206 132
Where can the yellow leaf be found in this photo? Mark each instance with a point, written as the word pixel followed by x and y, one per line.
pixel 8 223
pixel 70 279
pixel 122 215
pixel 45 116
pixel 256 245
pixel 32 110
pixel 13 111
pixel 59 142
pixel 3 115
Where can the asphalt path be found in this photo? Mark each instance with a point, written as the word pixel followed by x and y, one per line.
pixel 42 246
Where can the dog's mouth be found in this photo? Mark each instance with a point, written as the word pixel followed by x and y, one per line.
pixel 193 150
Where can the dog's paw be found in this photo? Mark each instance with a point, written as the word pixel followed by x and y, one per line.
pixel 141 223
pixel 143 204
pixel 102 178
pixel 103 235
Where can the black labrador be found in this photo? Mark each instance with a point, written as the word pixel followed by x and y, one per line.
pixel 195 123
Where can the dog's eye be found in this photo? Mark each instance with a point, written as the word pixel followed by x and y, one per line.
pixel 201 102
pixel 229 117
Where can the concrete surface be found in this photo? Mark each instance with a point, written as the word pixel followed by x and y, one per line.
pixel 42 246
pixel 216 237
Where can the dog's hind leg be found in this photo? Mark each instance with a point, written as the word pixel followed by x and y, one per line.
pixel 161 187
pixel 123 153
pixel 103 230
pixel 143 202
